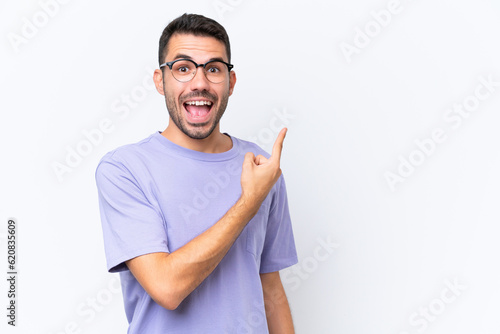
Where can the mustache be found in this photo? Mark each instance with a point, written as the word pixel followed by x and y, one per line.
pixel 202 94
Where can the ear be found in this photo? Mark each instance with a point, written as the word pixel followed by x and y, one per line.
pixel 232 82
pixel 158 79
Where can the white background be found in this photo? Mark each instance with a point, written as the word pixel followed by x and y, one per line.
pixel 351 119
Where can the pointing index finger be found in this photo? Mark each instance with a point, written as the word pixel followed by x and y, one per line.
pixel 278 145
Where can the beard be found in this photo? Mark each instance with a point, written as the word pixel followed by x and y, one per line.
pixel 196 130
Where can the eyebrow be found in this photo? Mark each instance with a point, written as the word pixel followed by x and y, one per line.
pixel 184 56
pixel 181 55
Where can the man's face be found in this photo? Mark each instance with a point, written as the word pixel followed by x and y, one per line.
pixel 195 106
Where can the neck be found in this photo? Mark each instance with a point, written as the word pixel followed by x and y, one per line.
pixel 216 142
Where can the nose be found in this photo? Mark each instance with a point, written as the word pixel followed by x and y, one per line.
pixel 200 81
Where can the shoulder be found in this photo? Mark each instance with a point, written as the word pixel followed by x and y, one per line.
pixel 248 146
pixel 126 156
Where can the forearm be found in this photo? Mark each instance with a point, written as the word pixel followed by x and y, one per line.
pixel 169 278
pixel 188 266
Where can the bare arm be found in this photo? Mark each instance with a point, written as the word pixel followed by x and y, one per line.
pixel 170 277
pixel 279 317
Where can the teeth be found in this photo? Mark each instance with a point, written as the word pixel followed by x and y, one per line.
pixel 199 103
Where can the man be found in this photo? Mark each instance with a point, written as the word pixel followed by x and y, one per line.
pixel 196 221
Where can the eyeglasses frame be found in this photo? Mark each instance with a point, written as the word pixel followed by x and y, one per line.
pixel 171 63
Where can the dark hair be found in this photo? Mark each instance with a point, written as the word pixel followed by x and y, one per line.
pixel 194 24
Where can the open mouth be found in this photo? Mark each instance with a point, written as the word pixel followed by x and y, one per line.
pixel 198 110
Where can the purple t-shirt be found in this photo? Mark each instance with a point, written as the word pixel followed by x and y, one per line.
pixel 155 196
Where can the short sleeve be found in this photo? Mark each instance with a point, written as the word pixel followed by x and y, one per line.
pixel 131 224
pixel 279 245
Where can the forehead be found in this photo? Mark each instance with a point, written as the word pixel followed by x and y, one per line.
pixel 199 48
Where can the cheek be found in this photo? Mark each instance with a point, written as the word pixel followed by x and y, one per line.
pixel 172 95
pixel 172 88
pixel 171 101
pixel 225 91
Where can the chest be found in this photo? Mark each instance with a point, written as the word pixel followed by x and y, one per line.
pixel 193 198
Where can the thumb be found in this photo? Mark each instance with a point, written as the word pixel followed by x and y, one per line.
pixel 249 159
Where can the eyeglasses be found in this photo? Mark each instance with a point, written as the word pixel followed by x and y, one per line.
pixel 184 70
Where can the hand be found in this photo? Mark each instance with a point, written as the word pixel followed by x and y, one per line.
pixel 259 174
